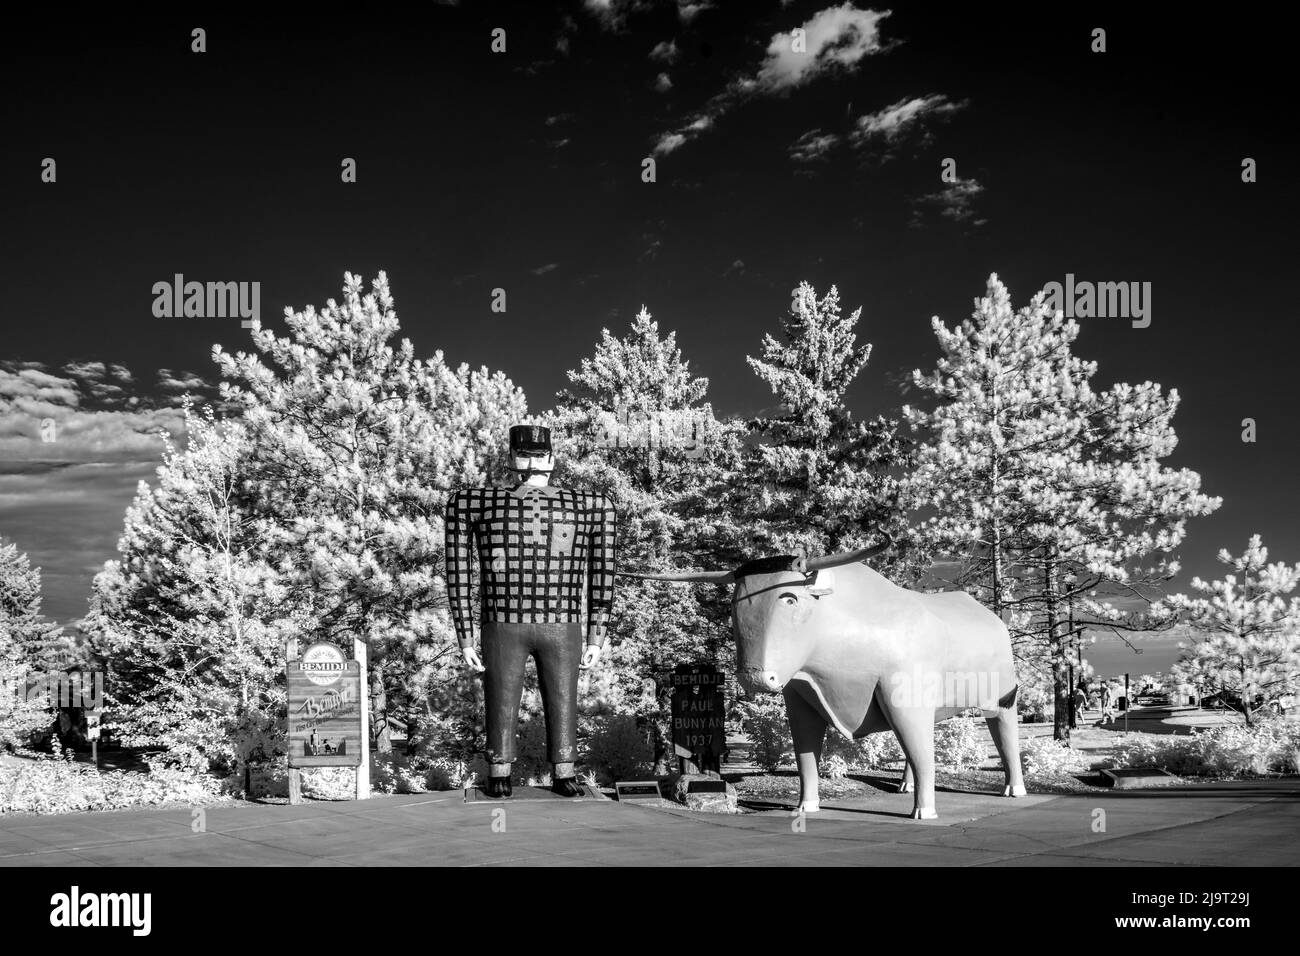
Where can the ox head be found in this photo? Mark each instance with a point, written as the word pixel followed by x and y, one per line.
pixel 775 609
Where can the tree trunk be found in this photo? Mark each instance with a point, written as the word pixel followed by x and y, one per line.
pixel 1060 673
pixel 380 739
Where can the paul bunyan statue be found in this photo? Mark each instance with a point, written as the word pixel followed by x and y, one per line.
pixel 543 553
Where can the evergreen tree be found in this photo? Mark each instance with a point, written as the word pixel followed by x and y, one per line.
pixel 1046 496
pixel 192 618
pixel 24 632
pixel 664 480
pixel 816 479
pixel 356 446
pixel 21 621
pixel 1251 649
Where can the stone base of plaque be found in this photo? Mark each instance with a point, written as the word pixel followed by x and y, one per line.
pixel 705 792
pixel 1130 778
pixel 476 795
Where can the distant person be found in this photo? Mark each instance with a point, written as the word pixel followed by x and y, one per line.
pixel 1107 704
pixel 1080 701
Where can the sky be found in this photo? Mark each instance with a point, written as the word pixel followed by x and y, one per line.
pixel 522 170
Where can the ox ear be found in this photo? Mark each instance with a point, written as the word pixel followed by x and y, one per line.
pixel 821 582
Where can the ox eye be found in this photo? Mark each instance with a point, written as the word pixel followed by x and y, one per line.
pixel 788 598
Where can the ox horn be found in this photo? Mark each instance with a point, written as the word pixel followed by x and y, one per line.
pixel 704 577
pixel 846 557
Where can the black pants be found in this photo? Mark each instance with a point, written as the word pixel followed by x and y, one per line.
pixel 557 649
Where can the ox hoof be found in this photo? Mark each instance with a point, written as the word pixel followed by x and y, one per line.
pixel 1018 791
pixel 808 806
pixel 925 813
pixel 906 786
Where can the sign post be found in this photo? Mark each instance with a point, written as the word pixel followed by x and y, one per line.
pixel 363 770
pixel 699 717
pixel 327 704
pixel 92 731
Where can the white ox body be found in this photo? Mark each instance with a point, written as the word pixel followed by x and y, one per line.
pixel 865 655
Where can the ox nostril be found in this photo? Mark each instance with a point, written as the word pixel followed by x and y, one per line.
pixel 771 680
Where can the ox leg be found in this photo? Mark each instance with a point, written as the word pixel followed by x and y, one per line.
pixel 915 729
pixel 808 728
pixel 908 783
pixel 1006 735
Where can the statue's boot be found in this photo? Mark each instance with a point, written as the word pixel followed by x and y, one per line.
pixel 498 787
pixel 568 787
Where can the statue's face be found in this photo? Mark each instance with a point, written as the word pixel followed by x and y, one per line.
pixel 543 464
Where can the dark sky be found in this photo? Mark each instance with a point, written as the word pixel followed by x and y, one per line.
pixel 522 170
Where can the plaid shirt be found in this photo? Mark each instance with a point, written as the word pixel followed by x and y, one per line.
pixel 536 547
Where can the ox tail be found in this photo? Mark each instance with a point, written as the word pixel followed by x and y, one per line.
pixel 1008 700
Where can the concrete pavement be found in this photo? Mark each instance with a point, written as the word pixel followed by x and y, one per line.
pixel 1244 824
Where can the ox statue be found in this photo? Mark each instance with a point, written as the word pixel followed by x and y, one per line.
pixel 848 647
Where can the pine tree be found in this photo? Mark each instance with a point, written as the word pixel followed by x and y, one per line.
pixel 1046 496
pixel 817 480
pixel 23 631
pixel 20 599
pixel 666 493
pixel 192 617
pixel 356 447
pixel 1251 649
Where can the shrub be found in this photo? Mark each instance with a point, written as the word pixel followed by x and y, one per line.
pixel 1044 755
pixel 58 785
pixel 866 753
pixel 834 767
pixel 958 743
pixel 617 749
pixel 764 721
pixel 394 773
pixel 1270 746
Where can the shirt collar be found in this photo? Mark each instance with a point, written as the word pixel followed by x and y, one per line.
pixel 522 490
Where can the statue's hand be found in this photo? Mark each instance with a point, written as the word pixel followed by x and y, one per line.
pixel 472 660
pixel 589 657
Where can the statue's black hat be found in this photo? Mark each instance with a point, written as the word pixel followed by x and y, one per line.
pixel 530 440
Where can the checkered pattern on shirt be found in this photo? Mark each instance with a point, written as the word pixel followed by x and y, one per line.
pixel 541 552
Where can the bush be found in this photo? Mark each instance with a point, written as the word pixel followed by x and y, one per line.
pixel 57 785
pixel 1270 746
pixel 21 719
pixel 834 767
pixel 394 773
pixel 765 723
pixel 958 743
pixel 617 749
pixel 1044 755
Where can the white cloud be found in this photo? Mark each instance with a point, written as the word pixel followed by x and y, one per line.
pixel 567 29
pixel 688 11
pixel 92 418
pixel 891 123
pixel 813 145
pixel 613 14
pixel 668 142
pixel 542 270
pixel 663 83
pixel 665 51
pixel 955 201
pixel 837 38
pixel 170 381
